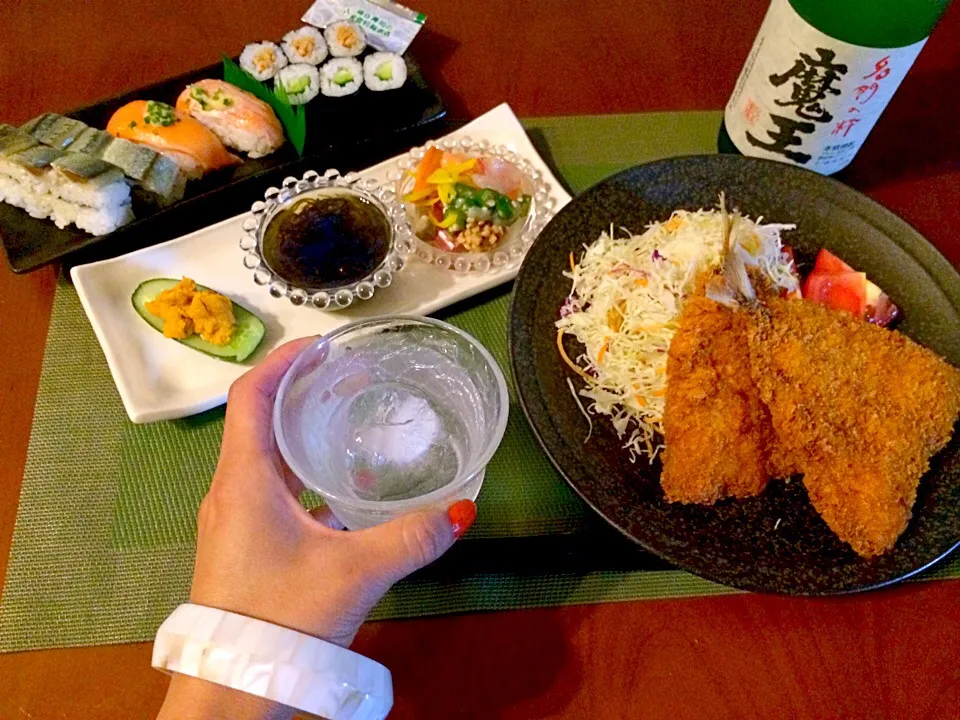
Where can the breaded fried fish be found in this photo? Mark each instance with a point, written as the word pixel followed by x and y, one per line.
pixel 759 387
pixel 717 431
pixel 858 409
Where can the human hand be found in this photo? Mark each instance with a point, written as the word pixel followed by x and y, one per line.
pixel 261 554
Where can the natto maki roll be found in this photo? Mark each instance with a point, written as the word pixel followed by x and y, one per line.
pixel 345 38
pixel 305 45
pixel 262 60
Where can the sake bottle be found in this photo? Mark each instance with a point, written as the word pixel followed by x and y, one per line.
pixel 820 74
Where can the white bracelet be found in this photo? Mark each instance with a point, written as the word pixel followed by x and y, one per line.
pixel 273 662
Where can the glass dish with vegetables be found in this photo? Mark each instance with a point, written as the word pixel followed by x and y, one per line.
pixel 472 206
pixel 326 240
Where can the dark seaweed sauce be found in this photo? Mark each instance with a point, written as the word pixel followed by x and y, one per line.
pixel 326 242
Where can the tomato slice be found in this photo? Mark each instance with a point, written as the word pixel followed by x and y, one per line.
pixel 827 262
pixel 837 285
pixel 840 291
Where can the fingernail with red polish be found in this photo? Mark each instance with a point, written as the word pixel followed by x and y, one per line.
pixel 462 514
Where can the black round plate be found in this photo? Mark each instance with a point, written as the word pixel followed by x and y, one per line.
pixel 775 542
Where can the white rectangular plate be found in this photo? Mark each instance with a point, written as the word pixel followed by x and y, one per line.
pixel 159 379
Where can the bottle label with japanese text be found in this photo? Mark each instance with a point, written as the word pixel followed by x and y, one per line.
pixel 806 98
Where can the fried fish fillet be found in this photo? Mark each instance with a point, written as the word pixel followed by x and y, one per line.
pixel 858 409
pixel 717 431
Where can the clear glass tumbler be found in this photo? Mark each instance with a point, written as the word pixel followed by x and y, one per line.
pixel 389 415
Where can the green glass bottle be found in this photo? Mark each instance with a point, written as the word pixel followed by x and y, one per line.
pixel 820 74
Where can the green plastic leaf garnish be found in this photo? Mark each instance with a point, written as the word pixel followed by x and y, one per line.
pixel 293 118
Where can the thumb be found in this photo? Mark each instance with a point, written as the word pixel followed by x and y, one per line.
pixel 391 551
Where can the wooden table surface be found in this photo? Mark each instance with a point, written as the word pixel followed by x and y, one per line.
pixel 888 654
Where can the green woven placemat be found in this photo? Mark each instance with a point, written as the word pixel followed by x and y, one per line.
pixel 103 542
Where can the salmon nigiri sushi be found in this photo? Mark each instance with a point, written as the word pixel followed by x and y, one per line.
pixel 239 119
pixel 173 133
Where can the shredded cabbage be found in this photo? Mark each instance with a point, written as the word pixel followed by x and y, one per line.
pixel 623 307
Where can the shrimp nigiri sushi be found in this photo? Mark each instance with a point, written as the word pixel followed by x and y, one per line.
pixel 174 134
pixel 239 119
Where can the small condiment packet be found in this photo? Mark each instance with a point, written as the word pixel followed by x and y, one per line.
pixel 387 25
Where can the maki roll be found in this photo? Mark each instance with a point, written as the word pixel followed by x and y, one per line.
pixel 305 45
pixel 345 39
pixel 340 77
pixel 301 82
pixel 262 60
pixel 384 71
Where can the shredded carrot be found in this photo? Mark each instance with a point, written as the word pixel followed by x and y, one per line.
pixel 661 370
pixel 660 393
pixel 674 223
pixel 603 350
pixel 430 163
pixel 641 282
pixel 573 265
pixel 573 366
pixel 640 401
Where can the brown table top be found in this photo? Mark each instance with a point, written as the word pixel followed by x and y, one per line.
pixel 887 654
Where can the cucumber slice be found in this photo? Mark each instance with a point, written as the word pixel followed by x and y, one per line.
pixel 342 76
pixel 297 85
pixel 246 339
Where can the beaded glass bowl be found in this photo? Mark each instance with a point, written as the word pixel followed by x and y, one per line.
pixel 313 184
pixel 517 237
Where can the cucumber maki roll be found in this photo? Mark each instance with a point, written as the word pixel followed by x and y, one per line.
pixel 301 83
pixel 384 71
pixel 340 77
